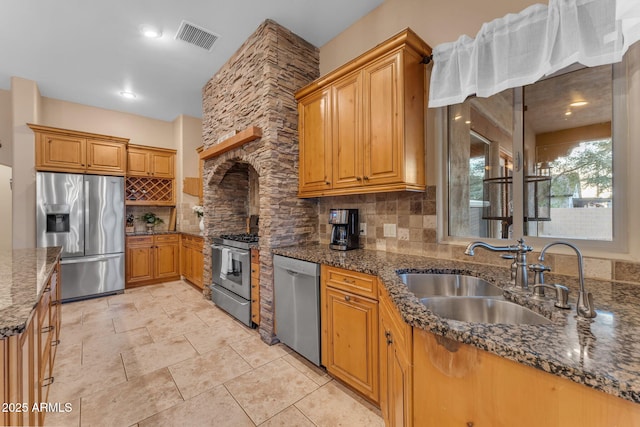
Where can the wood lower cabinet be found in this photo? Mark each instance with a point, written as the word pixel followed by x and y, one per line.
pixel 192 259
pixel 255 286
pixel 396 372
pixel 362 127
pixel 350 329
pixel 459 384
pixel 62 150
pixel 152 259
pixel 27 359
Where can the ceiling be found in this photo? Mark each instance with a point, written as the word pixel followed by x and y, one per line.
pixel 89 51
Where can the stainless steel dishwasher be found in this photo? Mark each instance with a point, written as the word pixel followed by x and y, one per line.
pixel 297 305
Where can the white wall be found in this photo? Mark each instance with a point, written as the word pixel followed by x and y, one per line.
pixel 6 129
pixel 5 208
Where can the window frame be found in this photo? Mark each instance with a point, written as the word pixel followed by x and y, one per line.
pixel 620 135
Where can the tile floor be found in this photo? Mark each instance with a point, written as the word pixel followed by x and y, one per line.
pixel 162 355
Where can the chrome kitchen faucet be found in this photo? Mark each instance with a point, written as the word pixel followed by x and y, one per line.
pixel 520 252
pixel 584 306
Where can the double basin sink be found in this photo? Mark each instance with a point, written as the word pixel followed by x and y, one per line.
pixel 468 299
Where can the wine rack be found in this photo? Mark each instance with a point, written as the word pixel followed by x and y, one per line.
pixel 150 191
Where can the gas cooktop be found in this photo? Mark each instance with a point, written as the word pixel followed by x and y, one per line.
pixel 241 241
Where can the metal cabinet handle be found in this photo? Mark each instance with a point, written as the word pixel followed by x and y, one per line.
pixel 47 381
pixel 327 182
pixel 347 298
pixel 48 329
pixel 387 334
pixel 349 281
pixel 55 343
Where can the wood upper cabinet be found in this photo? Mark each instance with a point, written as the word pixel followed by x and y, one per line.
pixel 315 142
pixel 396 373
pixel 152 259
pixel 375 121
pixel 350 331
pixel 62 150
pixel 150 162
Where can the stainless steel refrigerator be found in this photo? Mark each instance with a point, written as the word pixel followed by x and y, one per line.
pixel 85 215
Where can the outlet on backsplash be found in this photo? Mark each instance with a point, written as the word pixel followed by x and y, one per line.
pixel 363 228
pixel 389 230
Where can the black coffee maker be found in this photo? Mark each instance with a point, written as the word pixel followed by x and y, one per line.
pixel 345 233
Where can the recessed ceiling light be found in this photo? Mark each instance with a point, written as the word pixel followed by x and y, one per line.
pixel 150 32
pixel 457 117
pixel 568 113
pixel 128 95
pixel 578 104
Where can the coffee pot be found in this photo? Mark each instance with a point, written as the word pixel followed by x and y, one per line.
pixel 345 233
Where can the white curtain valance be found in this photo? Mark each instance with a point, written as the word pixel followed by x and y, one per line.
pixel 519 49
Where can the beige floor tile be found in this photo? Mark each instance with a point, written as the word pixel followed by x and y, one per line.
pixel 70 417
pixel 77 333
pixel 191 305
pixel 215 337
pixel 88 304
pixel 147 358
pixel 269 389
pixel 290 417
pixel 70 315
pixel 109 312
pixel 314 373
pixel 131 402
pixel 96 349
pixel 333 406
pixel 213 408
pixel 196 375
pixel 68 354
pixel 163 290
pixel 75 381
pixel 177 324
pixel 256 352
pixel 129 322
pixel 211 316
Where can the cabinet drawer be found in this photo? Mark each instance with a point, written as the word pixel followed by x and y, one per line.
pixel 359 283
pixel 167 238
pixel 255 271
pixel 140 240
pixel 255 256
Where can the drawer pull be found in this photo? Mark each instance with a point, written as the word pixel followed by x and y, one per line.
pixel 55 343
pixel 349 281
pixel 47 381
pixel 47 329
pixel 47 289
pixel 347 298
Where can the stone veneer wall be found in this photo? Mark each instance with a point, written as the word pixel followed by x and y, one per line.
pixel 414 215
pixel 255 88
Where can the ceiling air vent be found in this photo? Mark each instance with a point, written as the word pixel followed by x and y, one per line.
pixel 196 35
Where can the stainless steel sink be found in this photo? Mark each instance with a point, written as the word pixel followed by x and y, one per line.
pixel 483 310
pixel 430 284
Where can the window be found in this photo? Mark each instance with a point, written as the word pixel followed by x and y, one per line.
pixel 536 160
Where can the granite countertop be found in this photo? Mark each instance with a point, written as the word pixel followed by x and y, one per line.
pixel 603 353
pixel 23 275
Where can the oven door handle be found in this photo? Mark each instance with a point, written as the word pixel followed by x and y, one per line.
pixel 233 250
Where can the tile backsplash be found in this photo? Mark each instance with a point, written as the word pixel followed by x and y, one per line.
pixel 413 218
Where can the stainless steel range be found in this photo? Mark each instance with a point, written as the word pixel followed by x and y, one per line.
pixel 231 274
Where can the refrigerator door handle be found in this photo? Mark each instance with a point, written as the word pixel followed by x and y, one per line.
pixel 86 209
pixel 89 259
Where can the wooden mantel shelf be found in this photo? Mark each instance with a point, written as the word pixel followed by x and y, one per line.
pixel 249 134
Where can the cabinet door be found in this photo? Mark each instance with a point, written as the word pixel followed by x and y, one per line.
pixel 197 267
pixel 185 259
pixel 106 156
pixel 139 263
pixel 167 256
pixel 137 162
pixel 315 142
pixel 383 152
pixel 347 138
pixel 395 366
pixel 59 152
pixel 352 340
pixel 161 164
